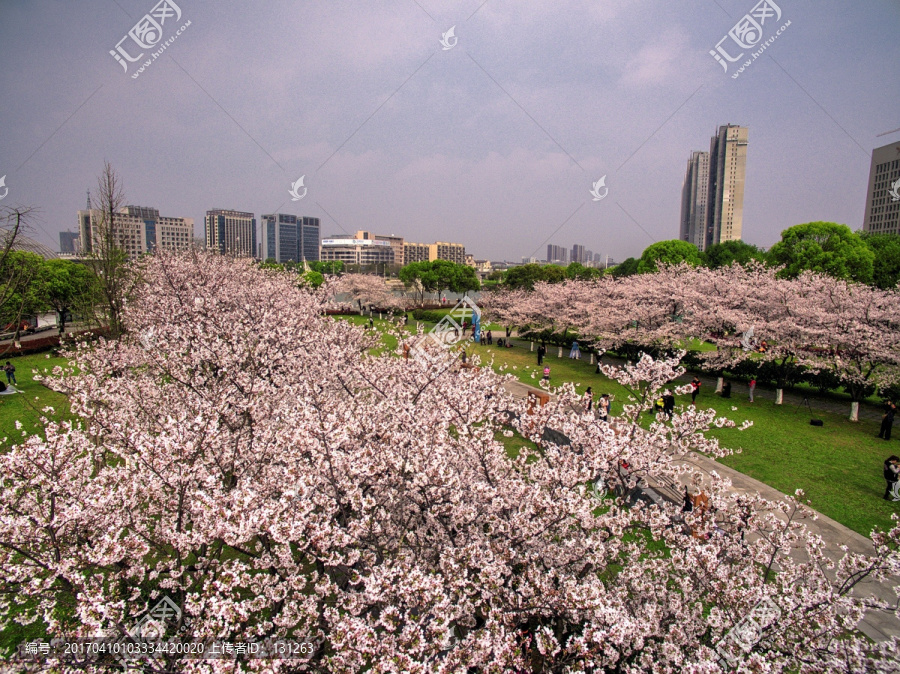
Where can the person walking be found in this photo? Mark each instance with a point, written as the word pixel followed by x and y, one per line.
pixel 891 472
pixel 541 351
pixel 887 420
pixel 752 388
pixel 10 370
pixel 588 399
pixel 575 352
pixel 695 389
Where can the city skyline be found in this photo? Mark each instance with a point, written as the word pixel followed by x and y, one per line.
pixel 496 142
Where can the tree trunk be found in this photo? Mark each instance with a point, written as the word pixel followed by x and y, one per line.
pixel 854 411
pixel 531 348
pixel 779 396
pixel 720 382
pixel 559 354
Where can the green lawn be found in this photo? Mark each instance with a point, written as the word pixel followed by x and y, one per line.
pixel 838 465
pixel 26 406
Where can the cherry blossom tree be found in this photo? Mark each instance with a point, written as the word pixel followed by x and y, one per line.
pixel 365 289
pixel 247 457
pixel 854 332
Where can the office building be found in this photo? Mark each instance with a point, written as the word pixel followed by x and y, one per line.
pixel 136 230
pixel 355 251
pixel 414 252
pixel 396 243
pixel 290 238
pixel 68 242
pixel 883 197
pixel 230 232
pixel 727 172
pixel 309 238
pixel 694 196
pixel 442 250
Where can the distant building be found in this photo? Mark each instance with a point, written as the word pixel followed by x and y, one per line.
pixel 68 242
pixel 557 254
pixel 529 260
pixel 442 250
pixel 290 238
pixel 350 250
pixel 414 252
pixel 230 232
pixel 136 230
pixel 396 243
pixel 727 174
pixel 882 207
pixel 578 253
pixel 694 199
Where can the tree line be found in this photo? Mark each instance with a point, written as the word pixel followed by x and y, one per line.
pixel 823 247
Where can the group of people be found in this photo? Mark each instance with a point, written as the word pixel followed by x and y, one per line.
pixel 603 404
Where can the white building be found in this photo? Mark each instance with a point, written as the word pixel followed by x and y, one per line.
pixel 136 230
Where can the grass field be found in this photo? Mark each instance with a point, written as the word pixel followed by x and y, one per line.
pixel 26 406
pixel 837 465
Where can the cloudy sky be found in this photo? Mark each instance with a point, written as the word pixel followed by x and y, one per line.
pixel 494 142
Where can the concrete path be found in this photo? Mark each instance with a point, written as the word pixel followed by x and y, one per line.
pixel 877 625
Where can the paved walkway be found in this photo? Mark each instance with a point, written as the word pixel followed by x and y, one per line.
pixel 877 625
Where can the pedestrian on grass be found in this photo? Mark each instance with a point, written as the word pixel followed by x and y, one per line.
pixel 695 389
pixel 668 403
pixel 541 352
pixel 10 370
pixel 887 420
pixel 575 352
pixel 546 376
pixel 891 472
pixel 490 338
pixel 752 388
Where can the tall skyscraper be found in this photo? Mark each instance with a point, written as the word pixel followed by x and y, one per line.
pixel 136 230
pixel 694 196
pixel 557 254
pixel 231 232
pixel 727 172
pixel 883 197
pixel 289 238
pixel 578 252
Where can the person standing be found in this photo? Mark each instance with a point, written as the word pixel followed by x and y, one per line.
pixel 541 351
pixel 588 399
pixel 546 376
pixel 575 352
pixel 603 407
pixel 891 472
pixel 490 338
pixel 695 389
pixel 10 370
pixel 752 388
pixel 668 403
pixel 887 420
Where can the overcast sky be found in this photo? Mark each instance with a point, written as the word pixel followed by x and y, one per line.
pixel 495 142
